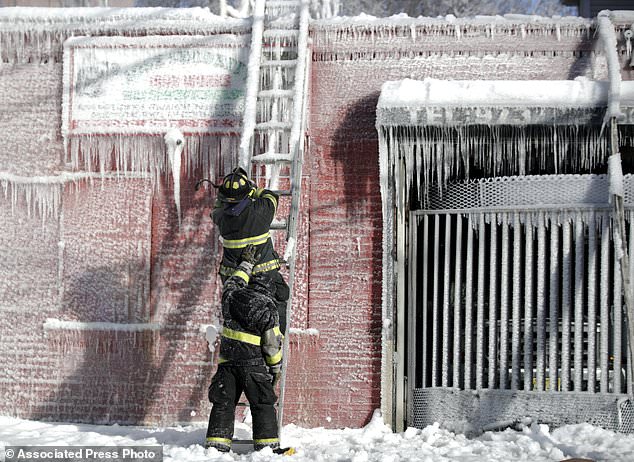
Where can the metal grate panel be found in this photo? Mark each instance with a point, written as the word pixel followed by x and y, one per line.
pixel 517 282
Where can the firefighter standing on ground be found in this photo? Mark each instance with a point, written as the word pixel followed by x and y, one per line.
pixel 250 358
pixel 243 214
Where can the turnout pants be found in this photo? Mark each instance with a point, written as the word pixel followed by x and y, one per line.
pixel 224 392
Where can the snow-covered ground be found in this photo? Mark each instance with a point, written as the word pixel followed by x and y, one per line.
pixel 375 442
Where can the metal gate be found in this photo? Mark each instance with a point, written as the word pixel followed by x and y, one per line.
pixel 515 305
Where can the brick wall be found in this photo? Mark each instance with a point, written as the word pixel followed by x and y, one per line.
pixel 115 253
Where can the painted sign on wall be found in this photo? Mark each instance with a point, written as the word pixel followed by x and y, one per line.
pixel 147 85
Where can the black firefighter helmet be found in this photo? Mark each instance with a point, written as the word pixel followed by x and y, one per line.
pixel 235 186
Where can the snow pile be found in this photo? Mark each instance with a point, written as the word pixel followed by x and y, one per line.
pixel 375 442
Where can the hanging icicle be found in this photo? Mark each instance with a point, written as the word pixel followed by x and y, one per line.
pixel 175 143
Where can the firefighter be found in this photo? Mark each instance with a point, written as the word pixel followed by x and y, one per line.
pixel 243 214
pixel 249 361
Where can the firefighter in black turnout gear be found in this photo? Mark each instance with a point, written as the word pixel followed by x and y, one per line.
pixel 250 358
pixel 243 214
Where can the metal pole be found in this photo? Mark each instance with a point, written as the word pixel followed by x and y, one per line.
pixel 619 224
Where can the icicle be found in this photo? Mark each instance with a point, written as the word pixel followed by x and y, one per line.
pixel 175 143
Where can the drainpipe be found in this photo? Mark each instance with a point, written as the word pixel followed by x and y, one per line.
pixel 615 171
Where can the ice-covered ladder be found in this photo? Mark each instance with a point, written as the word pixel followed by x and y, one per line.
pixel 275 117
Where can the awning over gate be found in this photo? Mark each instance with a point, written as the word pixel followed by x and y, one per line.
pixel 455 103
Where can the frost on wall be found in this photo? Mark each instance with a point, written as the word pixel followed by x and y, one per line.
pixel 120 96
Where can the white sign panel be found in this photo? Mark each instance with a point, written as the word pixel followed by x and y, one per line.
pixel 147 85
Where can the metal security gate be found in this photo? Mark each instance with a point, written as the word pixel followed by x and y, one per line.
pixel 515 293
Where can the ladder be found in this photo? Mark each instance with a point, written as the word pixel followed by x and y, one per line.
pixel 275 119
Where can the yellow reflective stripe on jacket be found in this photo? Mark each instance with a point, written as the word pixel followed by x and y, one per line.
pixel 242 275
pixel 222 360
pixel 267 266
pixel 242 243
pixel 276 358
pixel 261 268
pixel 241 336
pixel 277 331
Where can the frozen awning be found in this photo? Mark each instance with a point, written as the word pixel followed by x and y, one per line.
pixel 457 103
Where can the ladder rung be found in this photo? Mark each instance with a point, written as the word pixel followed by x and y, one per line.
pixel 283 192
pixel 276 93
pixel 273 125
pixel 272 158
pixel 278 224
pixel 279 63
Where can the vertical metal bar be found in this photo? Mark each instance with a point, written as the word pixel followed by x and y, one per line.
pixel 630 379
pixel 618 325
pixel 541 304
pixel 468 330
pixel 504 305
pixel 434 356
pixel 412 312
pixel 604 307
pixel 424 303
pixel 579 302
pixel 517 262
pixel 565 306
pixel 493 271
pixel 555 269
pixel 592 304
pixel 528 306
pixel 480 302
pixel 445 303
pixel 398 384
pixel 457 304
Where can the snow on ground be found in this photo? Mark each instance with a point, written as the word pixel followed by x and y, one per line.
pixel 374 442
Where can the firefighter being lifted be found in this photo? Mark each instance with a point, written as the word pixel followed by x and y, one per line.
pixel 243 214
pixel 250 358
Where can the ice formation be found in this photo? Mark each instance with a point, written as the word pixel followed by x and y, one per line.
pixel 42 195
pixel 438 127
pixel 211 334
pixel 337 30
pixel 37 34
pixel 57 324
pixel 175 142
pixel 608 39
pixel 252 84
